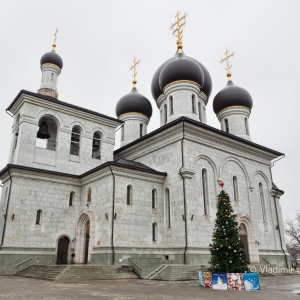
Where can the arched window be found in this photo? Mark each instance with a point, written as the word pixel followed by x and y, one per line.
pixel 154 232
pixel 154 193
pixel 193 104
pixel 246 126
pixel 96 151
pixel 205 192
pixel 129 195
pixel 165 114
pixel 235 189
pixel 199 112
pixel 71 199
pixel 262 201
pixel 38 217
pixel 75 141
pixel 47 133
pixel 171 106
pixel 141 129
pixel 226 125
pixel 167 208
pixel 89 195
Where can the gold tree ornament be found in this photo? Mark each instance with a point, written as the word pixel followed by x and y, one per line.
pixel 133 68
pixel 177 29
pixel 55 38
pixel 228 64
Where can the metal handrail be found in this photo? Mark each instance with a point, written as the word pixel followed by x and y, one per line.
pixel 138 269
pixel 23 261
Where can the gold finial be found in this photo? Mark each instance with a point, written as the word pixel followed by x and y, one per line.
pixel 177 29
pixel 54 42
pixel 228 64
pixel 135 63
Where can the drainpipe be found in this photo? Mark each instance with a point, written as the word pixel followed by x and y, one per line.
pixel 277 217
pixel 184 194
pixel 113 216
pixel 6 212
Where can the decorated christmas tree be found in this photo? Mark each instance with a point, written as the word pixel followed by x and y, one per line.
pixel 227 251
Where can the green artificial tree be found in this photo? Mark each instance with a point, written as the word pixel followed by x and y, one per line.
pixel 227 251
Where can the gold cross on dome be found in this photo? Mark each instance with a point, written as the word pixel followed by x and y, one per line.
pixel 177 29
pixel 54 42
pixel 135 63
pixel 228 64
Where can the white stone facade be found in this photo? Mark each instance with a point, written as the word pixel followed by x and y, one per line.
pixel 27 150
pixel 134 127
pixel 49 80
pixel 235 120
pixel 182 98
pixel 154 197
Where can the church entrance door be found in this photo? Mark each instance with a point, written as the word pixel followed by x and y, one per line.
pixel 62 251
pixel 244 240
pixel 84 239
pixel 87 240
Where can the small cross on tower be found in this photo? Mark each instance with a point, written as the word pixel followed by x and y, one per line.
pixel 177 29
pixel 135 63
pixel 228 64
pixel 54 42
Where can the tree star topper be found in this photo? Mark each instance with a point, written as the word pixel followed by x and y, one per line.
pixel 135 63
pixel 177 29
pixel 228 64
pixel 54 42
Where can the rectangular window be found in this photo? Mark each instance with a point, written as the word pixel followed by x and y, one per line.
pixel 199 111
pixel 168 208
pixel 165 114
pixel 205 191
pixel 193 105
pixel 262 200
pixel 171 106
pixel 141 130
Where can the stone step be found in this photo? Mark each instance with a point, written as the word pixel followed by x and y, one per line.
pixel 177 272
pixel 75 272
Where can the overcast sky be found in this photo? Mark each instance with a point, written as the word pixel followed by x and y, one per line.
pixel 98 40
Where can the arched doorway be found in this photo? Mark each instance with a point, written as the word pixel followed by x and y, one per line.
pixel 87 241
pixel 62 250
pixel 244 240
pixel 85 238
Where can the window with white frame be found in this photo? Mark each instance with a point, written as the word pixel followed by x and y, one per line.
pixel 205 192
pixel 167 208
pixel 75 141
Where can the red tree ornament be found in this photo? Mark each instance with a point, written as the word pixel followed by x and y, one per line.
pixel 221 184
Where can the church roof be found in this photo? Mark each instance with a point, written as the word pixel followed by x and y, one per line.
pixel 134 102
pixel 132 163
pixel 128 164
pixel 205 127
pixel 52 58
pixel 59 102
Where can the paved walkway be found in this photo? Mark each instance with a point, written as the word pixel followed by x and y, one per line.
pixel 20 288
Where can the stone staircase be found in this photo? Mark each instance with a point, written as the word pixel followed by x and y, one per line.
pixel 48 272
pixel 78 272
pixel 175 272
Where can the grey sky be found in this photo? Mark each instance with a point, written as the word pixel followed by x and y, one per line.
pixel 99 39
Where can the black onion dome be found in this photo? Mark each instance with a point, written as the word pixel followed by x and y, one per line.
pixel 181 68
pixel 134 102
pixel 207 86
pixel 52 58
pixel 232 95
pixel 155 88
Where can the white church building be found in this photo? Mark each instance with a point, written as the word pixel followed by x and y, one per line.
pixel 69 197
